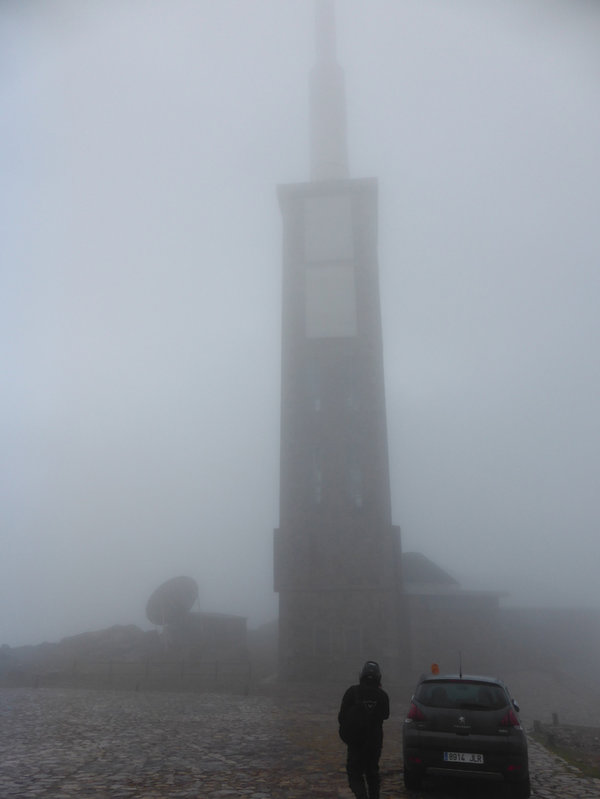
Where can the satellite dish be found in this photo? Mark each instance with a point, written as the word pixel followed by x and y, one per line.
pixel 172 600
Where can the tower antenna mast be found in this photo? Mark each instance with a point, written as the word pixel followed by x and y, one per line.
pixel 328 145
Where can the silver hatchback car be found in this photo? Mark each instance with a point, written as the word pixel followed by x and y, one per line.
pixel 465 725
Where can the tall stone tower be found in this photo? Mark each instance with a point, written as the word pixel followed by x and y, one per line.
pixel 337 555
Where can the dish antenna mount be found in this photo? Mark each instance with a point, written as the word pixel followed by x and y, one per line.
pixel 172 601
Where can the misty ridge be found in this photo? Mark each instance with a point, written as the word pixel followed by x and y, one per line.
pixel 142 299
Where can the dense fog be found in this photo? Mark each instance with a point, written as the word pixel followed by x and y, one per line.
pixel 141 146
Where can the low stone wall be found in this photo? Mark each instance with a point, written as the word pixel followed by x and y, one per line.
pixel 179 675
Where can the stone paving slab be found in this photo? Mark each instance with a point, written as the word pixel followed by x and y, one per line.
pixel 67 744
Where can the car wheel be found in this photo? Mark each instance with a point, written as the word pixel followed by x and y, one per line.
pixel 412 779
pixel 522 789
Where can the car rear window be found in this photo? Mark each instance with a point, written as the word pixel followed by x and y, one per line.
pixel 462 694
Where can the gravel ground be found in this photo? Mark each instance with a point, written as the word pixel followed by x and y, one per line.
pixel 85 744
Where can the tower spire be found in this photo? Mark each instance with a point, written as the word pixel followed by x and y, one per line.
pixel 328 147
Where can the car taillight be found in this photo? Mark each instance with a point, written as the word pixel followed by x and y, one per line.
pixel 414 714
pixel 510 720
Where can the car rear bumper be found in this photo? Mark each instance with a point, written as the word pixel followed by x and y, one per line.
pixel 505 763
pixel 465 773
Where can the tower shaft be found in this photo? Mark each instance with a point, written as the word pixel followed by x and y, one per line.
pixel 336 553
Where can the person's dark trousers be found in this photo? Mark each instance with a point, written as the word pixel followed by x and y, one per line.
pixel 363 764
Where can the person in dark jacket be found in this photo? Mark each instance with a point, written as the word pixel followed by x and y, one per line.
pixel 371 703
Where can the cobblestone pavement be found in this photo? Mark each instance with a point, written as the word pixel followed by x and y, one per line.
pixel 62 744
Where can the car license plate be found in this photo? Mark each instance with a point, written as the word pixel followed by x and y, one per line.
pixel 462 757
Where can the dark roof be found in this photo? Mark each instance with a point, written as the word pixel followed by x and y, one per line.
pixel 461 677
pixel 416 568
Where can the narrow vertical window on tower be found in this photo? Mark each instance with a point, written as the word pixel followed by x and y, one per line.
pixel 349 386
pixel 354 481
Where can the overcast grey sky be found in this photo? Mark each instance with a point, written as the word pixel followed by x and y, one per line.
pixel 141 144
